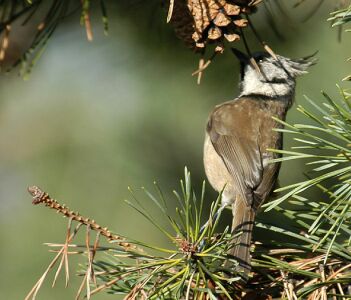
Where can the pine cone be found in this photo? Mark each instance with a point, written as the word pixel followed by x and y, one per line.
pixel 182 22
pixel 202 22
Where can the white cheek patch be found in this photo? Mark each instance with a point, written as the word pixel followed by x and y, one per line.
pixel 253 85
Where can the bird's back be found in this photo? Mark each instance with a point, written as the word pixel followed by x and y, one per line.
pixel 238 134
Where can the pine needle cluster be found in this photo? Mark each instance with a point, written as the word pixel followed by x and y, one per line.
pixel 46 17
pixel 195 266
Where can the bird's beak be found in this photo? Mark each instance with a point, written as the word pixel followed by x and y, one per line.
pixel 242 57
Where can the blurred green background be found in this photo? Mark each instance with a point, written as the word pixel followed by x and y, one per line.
pixel 95 118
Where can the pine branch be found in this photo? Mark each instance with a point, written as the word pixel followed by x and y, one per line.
pixel 196 265
pixel 40 197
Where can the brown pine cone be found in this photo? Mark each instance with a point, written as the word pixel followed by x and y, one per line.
pixel 202 22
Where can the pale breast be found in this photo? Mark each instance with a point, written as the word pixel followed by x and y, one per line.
pixel 215 169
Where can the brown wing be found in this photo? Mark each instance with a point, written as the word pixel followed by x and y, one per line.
pixel 235 132
pixel 235 139
pixel 268 183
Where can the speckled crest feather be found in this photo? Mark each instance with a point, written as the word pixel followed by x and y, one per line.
pixel 276 77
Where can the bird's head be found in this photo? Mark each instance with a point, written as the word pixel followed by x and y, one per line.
pixel 270 76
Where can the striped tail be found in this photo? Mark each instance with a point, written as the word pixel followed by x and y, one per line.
pixel 243 220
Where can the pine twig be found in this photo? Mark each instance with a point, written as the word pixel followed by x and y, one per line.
pixel 40 196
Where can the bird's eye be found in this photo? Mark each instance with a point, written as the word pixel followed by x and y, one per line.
pixel 259 59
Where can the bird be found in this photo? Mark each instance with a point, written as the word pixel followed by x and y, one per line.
pixel 238 135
